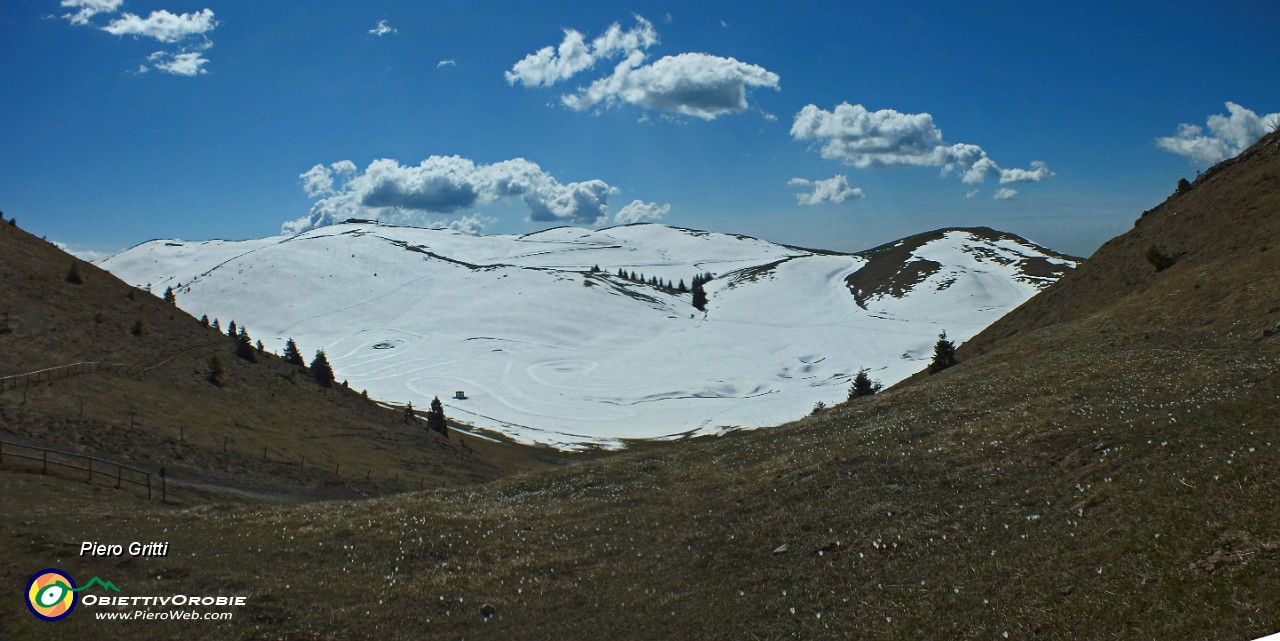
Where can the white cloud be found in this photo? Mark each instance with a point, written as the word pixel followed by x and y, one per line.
pixel 691 84
pixel 382 29
pixel 471 224
pixel 1038 172
pixel 188 64
pixel 447 62
pixel 861 138
pixel 162 25
pixel 1005 193
pixel 638 211
pixel 1228 135
pixel 971 193
pixel 387 190
pixel 550 65
pixel 88 255
pixel 89 9
pixel 826 191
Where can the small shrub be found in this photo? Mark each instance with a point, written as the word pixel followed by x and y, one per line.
pixel 136 330
pixel 818 407
pixel 215 371
pixel 1160 260
pixel 73 275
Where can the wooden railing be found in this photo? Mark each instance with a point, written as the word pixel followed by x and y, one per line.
pixel 17 381
pixel 105 470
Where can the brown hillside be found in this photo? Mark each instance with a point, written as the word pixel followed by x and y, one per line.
pixel 268 428
pixel 1225 234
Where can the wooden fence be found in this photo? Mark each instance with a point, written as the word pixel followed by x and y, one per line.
pixel 105 470
pixel 18 381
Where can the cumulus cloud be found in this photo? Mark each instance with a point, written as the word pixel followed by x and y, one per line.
pixel 88 9
pixel 1005 193
pixel 1038 172
pixel 1229 134
pixel 87 255
pixel 638 211
pixel 387 190
pixel 861 138
pixel 471 224
pixel 691 84
pixel 162 25
pixel 447 62
pixel 971 193
pixel 382 29
pixel 825 191
pixel 550 65
pixel 186 31
pixel 190 63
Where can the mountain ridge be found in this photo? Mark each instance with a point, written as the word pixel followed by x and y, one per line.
pixel 778 334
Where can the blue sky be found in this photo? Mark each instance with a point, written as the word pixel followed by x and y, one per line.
pixel 128 120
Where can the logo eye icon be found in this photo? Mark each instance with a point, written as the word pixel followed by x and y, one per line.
pixel 51 594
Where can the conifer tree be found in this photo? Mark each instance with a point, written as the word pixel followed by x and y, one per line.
pixel 681 288
pixel 244 346
pixel 944 354
pixel 262 349
pixel 292 355
pixel 204 320
pixel 321 371
pixel 136 330
pixel 435 417
pixel 231 330
pixel 408 413
pixel 217 327
pixel 170 297
pixel 863 385
pixel 699 298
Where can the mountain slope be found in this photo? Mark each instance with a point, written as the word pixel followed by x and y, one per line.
pixel 267 426
pixel 553 352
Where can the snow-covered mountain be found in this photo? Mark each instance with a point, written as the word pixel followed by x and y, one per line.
pixel 548 350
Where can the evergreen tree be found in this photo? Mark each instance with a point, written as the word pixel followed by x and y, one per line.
pixel 231 330
pixel 170 297
pixel 681 288
pixel 944 354
pixel 408 413
pixel 204 320
pixel 73 275
pixel 136 330
pixel 262 349
pixel 863 385
pixel 292 355
pixel 321 370
pixel 435 417
pixel 215 371
pixel 216 326
pixel 699 298
pixel 595 269
pixel 244 346
pixel 621 274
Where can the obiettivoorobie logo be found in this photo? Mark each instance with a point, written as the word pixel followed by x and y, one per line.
pixel 51 593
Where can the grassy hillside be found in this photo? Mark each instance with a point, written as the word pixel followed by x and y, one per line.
pixel 1109 470
pixel 267 428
